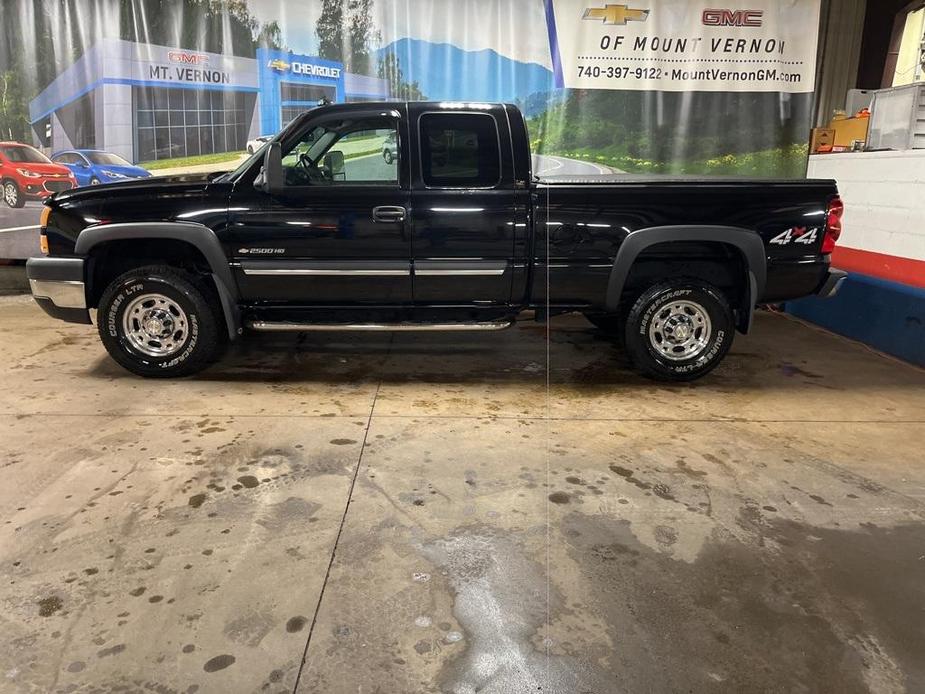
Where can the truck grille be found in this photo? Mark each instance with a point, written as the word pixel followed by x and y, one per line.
pixel 57 186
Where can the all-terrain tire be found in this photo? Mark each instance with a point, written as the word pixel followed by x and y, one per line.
pixel 160 322
pixel 679 330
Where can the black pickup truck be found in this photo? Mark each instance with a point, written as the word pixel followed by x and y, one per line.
pixel 426 216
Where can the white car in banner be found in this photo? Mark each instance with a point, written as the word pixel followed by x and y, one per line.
pixel 257 143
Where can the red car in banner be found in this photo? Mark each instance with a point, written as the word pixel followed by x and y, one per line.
pixel 27 173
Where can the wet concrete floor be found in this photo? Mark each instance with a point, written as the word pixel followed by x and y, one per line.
pixel 379 513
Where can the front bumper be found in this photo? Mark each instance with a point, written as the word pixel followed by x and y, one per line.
pixel 44 188
pixel 58 287
pixel 833 282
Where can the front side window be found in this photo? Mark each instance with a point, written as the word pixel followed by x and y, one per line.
pixel 347 151
pixel 460 150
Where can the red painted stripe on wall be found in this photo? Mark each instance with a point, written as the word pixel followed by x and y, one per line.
pixel 887 267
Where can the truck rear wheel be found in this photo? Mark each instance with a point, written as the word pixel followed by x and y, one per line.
pixel 679 330
pixel 159 322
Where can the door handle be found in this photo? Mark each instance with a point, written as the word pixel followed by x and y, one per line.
pixel 389 213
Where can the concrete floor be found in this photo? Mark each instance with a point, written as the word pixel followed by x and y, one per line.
pixel 763 530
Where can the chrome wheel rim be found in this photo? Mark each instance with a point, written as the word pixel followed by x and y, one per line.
pixel 680 330
pixel 155 325
pixel 9 194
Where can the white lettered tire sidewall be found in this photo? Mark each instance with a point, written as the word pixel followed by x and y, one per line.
pixel 645 356
pixel 199 346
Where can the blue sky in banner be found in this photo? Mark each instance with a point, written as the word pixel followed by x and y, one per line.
pixel 515 29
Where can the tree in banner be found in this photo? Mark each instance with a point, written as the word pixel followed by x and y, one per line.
pixel 270 36
pixel 390 71
pixel 213 26
pixel 346 33
pixel 363 36
pixel 330 30
pixel 14 114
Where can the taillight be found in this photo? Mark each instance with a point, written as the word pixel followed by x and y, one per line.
pixel 833 225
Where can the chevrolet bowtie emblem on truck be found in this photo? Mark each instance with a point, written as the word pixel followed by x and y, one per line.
pixel 278 65
pixel 616 14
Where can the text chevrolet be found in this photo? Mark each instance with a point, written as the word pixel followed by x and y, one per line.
pixel 320 231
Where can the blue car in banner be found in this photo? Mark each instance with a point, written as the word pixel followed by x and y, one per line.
pixel 92 166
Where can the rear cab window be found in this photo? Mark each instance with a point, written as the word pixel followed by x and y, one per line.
pixel 460 150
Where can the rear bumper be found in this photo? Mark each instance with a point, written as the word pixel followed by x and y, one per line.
pixel 58 287
pixel 833 282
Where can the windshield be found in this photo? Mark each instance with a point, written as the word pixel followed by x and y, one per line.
pixel 25 154
pixel 244 165
pixel 107 159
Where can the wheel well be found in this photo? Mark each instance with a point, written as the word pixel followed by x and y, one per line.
pixel 720 264
pixel 110 259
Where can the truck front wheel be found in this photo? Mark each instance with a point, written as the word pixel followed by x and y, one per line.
pixel 159 322
pixel 679 330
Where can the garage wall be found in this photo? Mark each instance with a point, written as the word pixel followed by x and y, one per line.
pixel 882 247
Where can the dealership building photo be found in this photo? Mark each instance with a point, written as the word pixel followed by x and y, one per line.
pixel 145 102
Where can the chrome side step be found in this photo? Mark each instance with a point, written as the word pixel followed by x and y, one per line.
pixel 271 327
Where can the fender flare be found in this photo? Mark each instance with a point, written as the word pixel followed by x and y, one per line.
pixel 197 235
pixel 748 243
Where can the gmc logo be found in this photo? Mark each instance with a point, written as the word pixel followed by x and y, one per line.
pixel 187 58
pixel 733 18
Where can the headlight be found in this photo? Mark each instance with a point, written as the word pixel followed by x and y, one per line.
pixel 29 174
pixel 113 174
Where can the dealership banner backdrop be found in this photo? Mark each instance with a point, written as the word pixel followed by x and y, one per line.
pixel 680 45
pixel 651 86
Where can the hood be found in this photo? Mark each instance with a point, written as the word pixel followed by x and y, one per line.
pixel 133 171
pixel 181 185
pixel 41 168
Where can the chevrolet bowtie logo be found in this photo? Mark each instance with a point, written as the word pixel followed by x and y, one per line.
pixel 616 14
pixel 278 65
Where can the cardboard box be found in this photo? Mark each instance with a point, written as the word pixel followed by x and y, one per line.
pixel 822 139
pixel 848 130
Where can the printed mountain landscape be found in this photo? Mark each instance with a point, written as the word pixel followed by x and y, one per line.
pixel 445 72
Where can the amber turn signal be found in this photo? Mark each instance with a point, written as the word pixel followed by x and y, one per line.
pixel 46 212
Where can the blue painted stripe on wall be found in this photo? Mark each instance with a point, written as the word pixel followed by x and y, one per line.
pixel 885 315
pixel 146 83
pixel 554 44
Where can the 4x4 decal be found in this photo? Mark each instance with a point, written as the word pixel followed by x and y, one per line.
pixel 804 235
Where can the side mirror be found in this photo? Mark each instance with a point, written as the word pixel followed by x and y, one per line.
pixel 334 164
pixel 270 179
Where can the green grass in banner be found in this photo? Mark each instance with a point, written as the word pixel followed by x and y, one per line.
pixel 197 160
pixel 753 135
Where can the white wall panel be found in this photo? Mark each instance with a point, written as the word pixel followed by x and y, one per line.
pixel 884 195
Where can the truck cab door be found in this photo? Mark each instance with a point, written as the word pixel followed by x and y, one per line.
pixel 337 234
pixel 469 218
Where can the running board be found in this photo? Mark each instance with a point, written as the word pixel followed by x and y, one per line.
pixel 271 327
